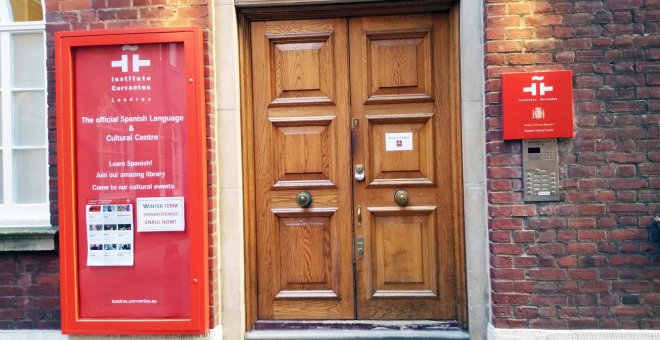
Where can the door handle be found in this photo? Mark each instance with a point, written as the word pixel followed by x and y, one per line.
pixel 359 216
pixel 401 197
pixel 359 246
pixel 359 172
pixel 304 199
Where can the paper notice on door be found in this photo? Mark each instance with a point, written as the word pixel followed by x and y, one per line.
pixel 109 234
pixel 399 141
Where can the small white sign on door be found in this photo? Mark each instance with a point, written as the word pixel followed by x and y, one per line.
pixel 399 141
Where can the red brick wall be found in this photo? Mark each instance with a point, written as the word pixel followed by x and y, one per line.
pixel 71 15
pixel 29 290
pixel 586 261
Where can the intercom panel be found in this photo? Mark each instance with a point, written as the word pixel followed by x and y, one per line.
pixel 540 170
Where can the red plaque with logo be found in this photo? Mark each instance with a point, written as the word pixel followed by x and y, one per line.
pixel 537 105
pixel 132 181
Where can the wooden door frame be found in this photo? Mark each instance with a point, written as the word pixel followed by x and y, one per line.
pixel 286 11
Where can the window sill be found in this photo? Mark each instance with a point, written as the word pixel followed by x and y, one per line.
pixel 28 238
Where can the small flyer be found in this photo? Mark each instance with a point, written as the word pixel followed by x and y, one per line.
pixel 160 214
pixel 399 141
pixel 110 234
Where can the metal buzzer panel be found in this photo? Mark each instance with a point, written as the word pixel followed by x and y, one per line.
pixel 540 170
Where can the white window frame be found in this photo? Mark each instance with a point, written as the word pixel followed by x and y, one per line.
pixel 13 214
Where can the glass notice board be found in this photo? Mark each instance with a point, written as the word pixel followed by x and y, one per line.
pixel 131 142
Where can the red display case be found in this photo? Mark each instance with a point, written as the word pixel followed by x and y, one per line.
pixel 537 105
pixel 131 135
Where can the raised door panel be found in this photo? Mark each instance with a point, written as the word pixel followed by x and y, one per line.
pixel 300 118
pixel 397 66
pixel 400 149
pixel 302 68
pixel 304 151
pixel 403 246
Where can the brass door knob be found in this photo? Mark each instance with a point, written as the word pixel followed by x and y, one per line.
pixel 401 197
pixel 304 199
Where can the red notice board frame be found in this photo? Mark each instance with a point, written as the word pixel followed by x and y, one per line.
pixel 195 190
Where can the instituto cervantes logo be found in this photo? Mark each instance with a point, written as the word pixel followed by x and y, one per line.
pixel 542 88
pixel 135 58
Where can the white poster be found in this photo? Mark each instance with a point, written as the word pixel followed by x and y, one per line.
pixel 160 214
pixel 399 141
pixel 110 235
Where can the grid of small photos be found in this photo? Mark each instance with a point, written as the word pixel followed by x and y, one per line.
pixel 110 235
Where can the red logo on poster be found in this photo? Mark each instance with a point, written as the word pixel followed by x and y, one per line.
pixel 537 105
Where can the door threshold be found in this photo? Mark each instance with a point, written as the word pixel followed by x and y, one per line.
pixel 356 329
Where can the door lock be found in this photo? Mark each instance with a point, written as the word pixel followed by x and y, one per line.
pixel 359 172
pixel 359 246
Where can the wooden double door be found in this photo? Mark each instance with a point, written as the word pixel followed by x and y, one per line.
pixel 349 114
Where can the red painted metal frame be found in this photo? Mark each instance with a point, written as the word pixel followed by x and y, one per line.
pixel 191 38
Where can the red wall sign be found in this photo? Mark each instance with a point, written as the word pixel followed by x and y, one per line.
pixel 537 105
pixel 132 181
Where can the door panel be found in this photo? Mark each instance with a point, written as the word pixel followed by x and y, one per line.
pixel 410 163
pixel 304 259
pixel 400 95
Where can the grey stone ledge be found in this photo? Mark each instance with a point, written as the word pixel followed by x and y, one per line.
pixel 333 334
pixel 28 238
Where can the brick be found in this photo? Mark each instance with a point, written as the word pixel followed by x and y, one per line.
pixel 519 33
pixel 546 223
pixel 507 273
pixel 543 20
pixel 626 157
pixel 589 81
pixel 591 209
pixel 521 58
pixel 627 234
pixel 523 210
pixel 503 21
pixel 581 248
pixel 504 197
pixel 563 32
pixel 503 46
pixel 544 300
pixel 546 274
pixel 568 262
pixel 628 260
pixel 591 235
pixel 581 223
pixel 542 45
pixel 583 274
pixel 630 310
pixel 566 57
pixel 583 323
pixel 621 208
pixel 547 249
pixel 506 249
pixel 526 261
pixel 508 224
pixel 73 5
pixel 510 299
pixel 504 172
pixel 593 286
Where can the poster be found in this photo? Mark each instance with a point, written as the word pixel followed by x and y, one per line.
pixel 160 214
pixel 132 143
pixel 109 234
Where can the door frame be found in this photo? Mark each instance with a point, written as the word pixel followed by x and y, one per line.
pixel 246 15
